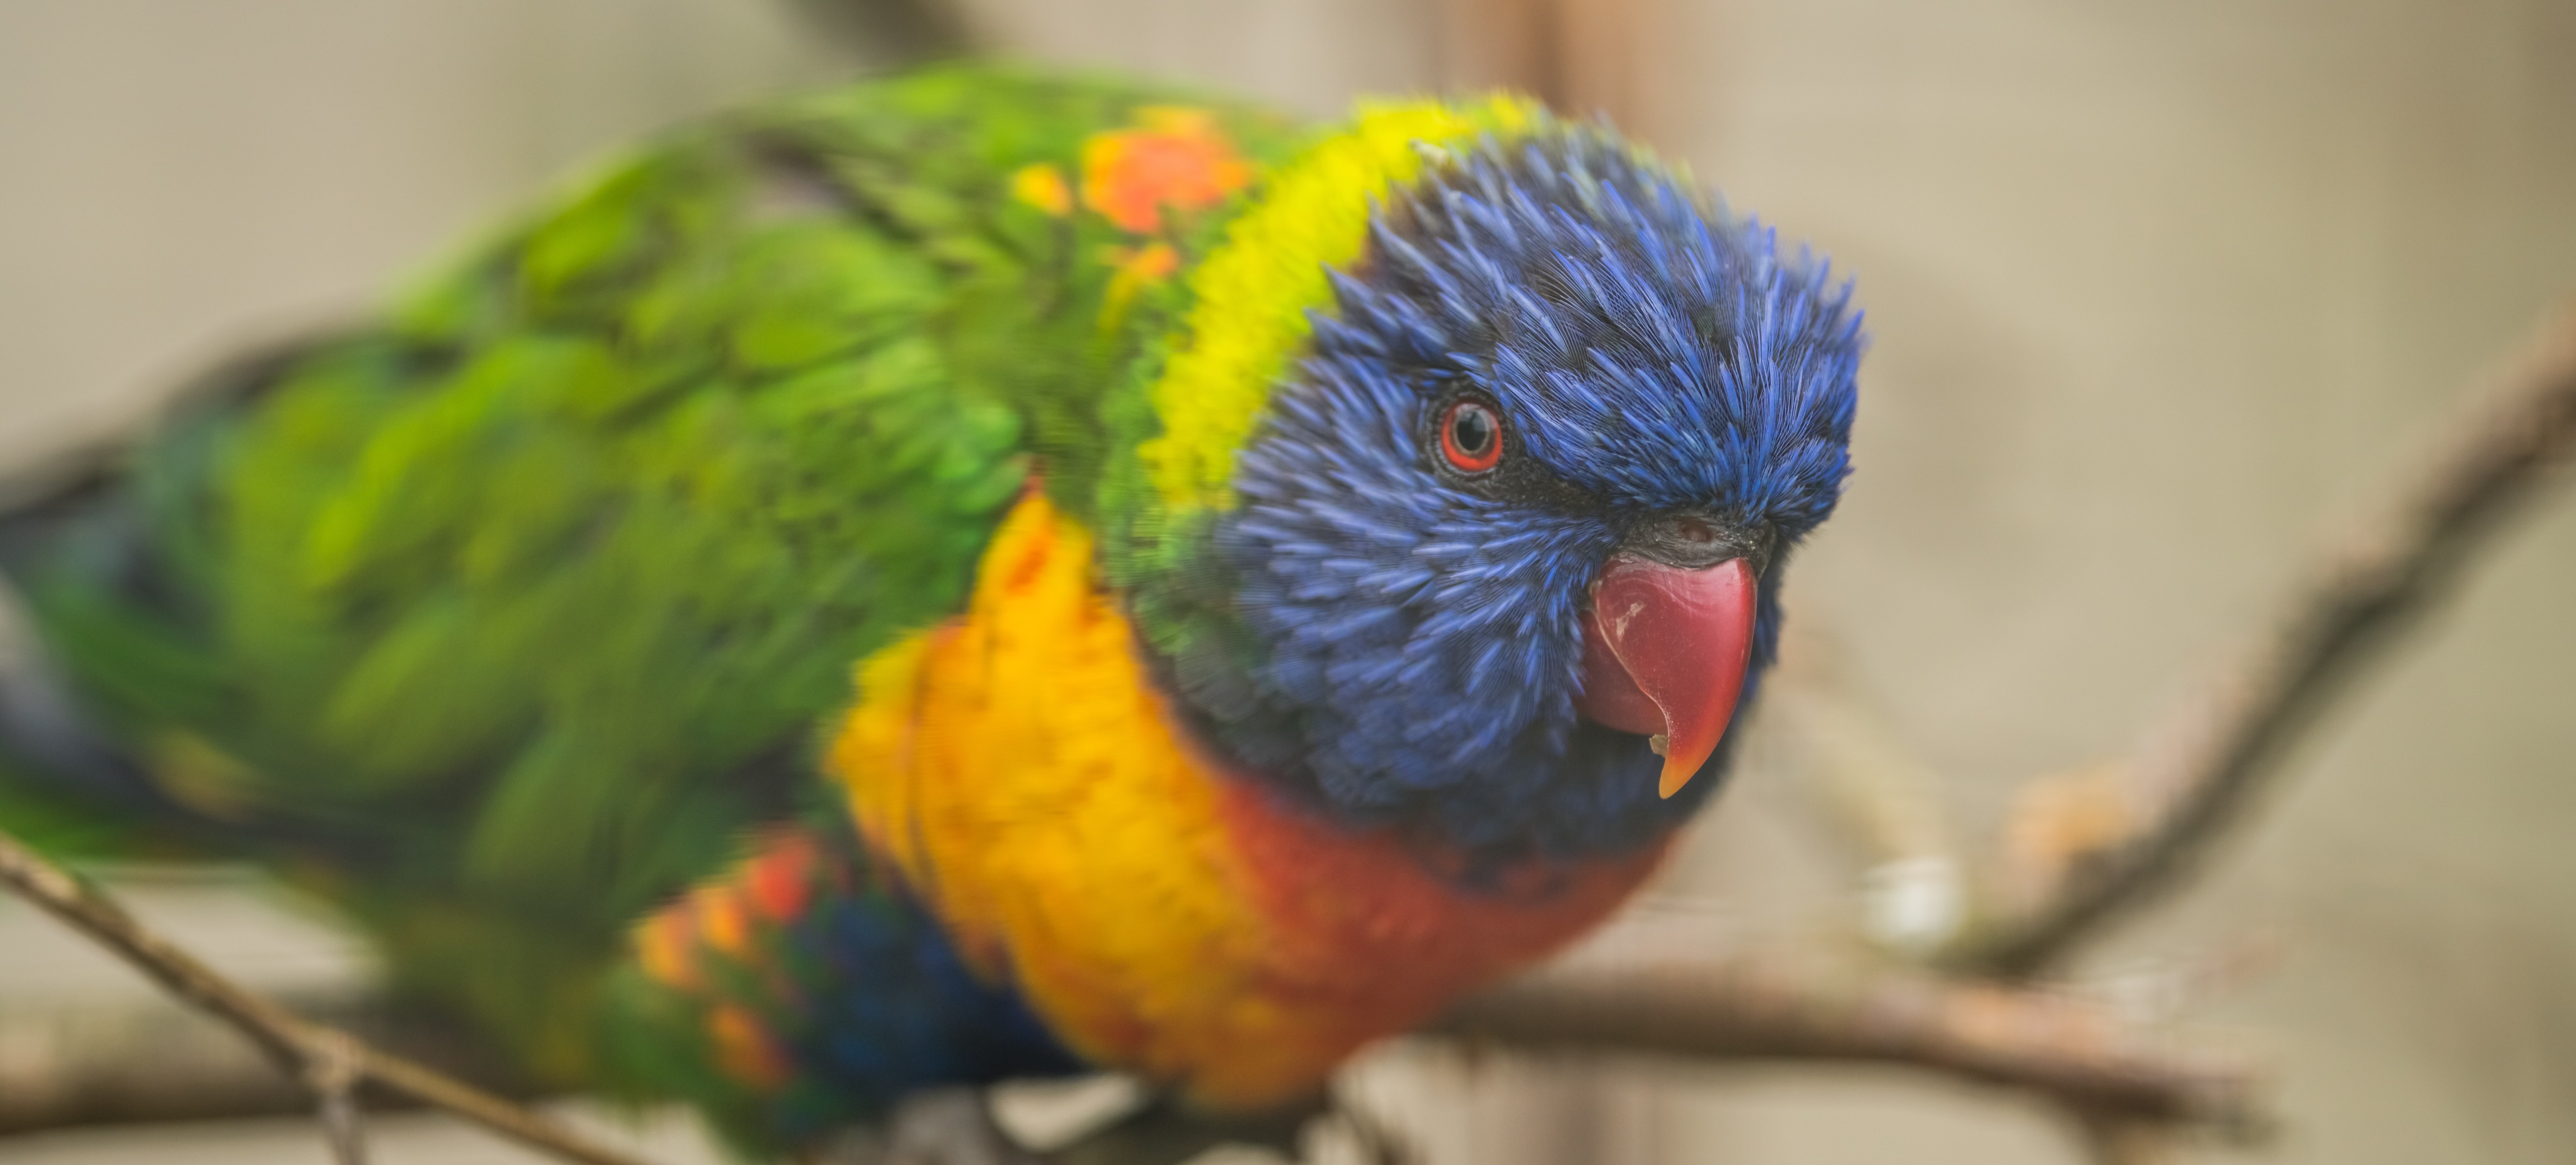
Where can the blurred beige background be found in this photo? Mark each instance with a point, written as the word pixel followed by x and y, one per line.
pixel 2159 292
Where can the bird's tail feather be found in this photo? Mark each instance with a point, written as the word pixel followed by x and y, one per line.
pixel 68 783
pixel 66 787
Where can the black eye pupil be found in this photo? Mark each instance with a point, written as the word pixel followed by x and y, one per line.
pixel 1473 431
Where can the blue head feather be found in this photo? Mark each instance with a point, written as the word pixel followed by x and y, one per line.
pixel 1415 638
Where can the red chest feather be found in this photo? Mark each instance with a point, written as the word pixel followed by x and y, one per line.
pixel 1164 917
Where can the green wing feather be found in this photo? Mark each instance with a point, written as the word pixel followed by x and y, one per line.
pixel 501 620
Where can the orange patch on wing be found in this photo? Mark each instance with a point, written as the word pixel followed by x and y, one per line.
pixel 666 946
pixel 723 924
pixel 1132 272
pixel 779 881
pixel 744 1049
pixel 1021 772
pixel 1176 158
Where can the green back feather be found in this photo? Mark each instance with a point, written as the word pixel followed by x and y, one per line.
pixel 502 619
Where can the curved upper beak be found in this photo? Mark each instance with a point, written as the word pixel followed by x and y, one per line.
pixel 1664 652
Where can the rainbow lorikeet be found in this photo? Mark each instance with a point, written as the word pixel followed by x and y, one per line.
pixel 968 575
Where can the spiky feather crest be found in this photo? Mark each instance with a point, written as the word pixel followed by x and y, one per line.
pixel 1658 354
pixel 1415 640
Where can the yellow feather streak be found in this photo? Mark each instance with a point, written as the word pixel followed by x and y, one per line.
pixel 1017 768
pixel 1251 295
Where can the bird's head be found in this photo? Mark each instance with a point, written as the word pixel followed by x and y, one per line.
pixel 1493 551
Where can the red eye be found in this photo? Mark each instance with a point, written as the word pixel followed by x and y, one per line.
pixel 1471 437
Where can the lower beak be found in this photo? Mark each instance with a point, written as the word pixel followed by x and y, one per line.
pixel 1664 651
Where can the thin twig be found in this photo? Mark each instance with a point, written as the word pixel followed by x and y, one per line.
pixel 111 1064
pixel 1814 1010
pixel 334 1080
pixel 2111 1140
pixel 2200 767
pixel 310 1051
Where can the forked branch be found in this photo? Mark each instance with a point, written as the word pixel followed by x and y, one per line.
pixel 330 1061
pixel 2196 771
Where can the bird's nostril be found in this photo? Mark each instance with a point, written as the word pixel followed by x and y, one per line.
pixel 1695 530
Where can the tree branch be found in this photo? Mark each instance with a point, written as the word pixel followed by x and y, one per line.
pixel 2199 768
pixel 326 1058
pixel 2113 1141
pixel 109 1065
pixel 1770 1008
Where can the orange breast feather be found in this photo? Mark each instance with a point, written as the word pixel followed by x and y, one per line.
pixel 1163 916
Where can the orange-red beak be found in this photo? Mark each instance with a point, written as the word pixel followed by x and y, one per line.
pixel 1664 650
